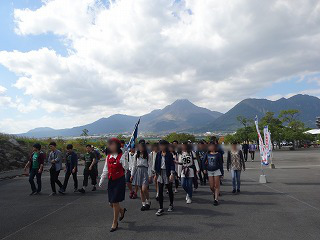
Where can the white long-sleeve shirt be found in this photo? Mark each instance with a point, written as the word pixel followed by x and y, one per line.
pixel 141 162
pixel 123 162
pixel 152 157
pixel 187 160
pixel 130 159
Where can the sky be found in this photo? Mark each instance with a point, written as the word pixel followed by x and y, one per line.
pixel 65 63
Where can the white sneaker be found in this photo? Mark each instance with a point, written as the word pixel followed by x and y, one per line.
pixel 189 201
pixel 187 197
pixel 176 191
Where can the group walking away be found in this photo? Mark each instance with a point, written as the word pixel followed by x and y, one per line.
pixel 166 166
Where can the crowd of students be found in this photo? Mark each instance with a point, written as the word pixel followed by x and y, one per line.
pixel 165 165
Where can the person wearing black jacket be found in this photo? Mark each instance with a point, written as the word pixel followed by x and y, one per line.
pixel 164 168
pixel 235 163
pixel 245 150
pixel 35 165
pixel 214 169
pixel 71 168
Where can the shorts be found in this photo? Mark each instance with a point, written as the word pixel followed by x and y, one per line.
pixel 128 176
pixel 214 173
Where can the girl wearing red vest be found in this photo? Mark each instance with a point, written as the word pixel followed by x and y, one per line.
pixel 114 169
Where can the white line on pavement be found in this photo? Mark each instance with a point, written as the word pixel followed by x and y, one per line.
pixel 30 224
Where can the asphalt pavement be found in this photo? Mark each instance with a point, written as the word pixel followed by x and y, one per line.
pixel 287 207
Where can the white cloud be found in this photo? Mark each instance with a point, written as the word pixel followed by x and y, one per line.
pixel 135 56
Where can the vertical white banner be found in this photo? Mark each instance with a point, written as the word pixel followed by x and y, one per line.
pixel 262 147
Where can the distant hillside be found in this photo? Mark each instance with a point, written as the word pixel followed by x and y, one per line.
pixel 308 106
pixel 179 116
pixel 114 124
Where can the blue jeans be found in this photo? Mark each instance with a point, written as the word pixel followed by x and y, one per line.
pixel 186 183
pixel 236 179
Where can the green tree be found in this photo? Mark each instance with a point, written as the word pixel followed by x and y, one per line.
pixel 85 134
pixel 275 127
pixel 181 137
pixel 294 129
pixel 246 133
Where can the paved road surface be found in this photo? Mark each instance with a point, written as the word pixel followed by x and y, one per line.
pixel 288 207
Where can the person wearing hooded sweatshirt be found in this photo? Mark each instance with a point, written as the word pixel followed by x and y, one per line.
pixel 214 169
pixel 35 165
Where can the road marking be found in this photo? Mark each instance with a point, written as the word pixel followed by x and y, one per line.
pixel 286 194
pixel 38 220
pixel 286 167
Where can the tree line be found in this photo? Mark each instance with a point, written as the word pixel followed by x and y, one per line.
pixel 284 128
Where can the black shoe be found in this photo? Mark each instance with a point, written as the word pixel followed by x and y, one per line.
pixel 94 189
pixel 33 193
pixel 147 207
pixel 75 190
pixel 157 198
pixel 233 191
pixel 114 229
pixel 238 190
pixel 61 191
pixel 143 208
pixel 122 217
pixel 215 203
pixel 81 190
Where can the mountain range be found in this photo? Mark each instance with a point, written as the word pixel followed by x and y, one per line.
pixel 182 115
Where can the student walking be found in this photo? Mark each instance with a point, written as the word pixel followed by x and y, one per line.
pixel 130 159
pixel 245 150
pixel 35 165
pixel 188 166
pixel 176 163
pixel 71 169
pixel 141 174
pixel 164 168
pixel 235 163
pixel 214 169
pixel 153 155
pixel 201 153
pixel 89 169
pixel 114 169
pixel 55 158
pixel 252 150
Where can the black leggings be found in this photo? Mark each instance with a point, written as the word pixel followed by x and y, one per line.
pixel 160 189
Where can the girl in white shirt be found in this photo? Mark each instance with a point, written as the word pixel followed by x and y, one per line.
pixel 141 174
pixel 114 169
pixel 187 162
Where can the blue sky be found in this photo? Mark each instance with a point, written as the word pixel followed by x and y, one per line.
pixel 190 58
